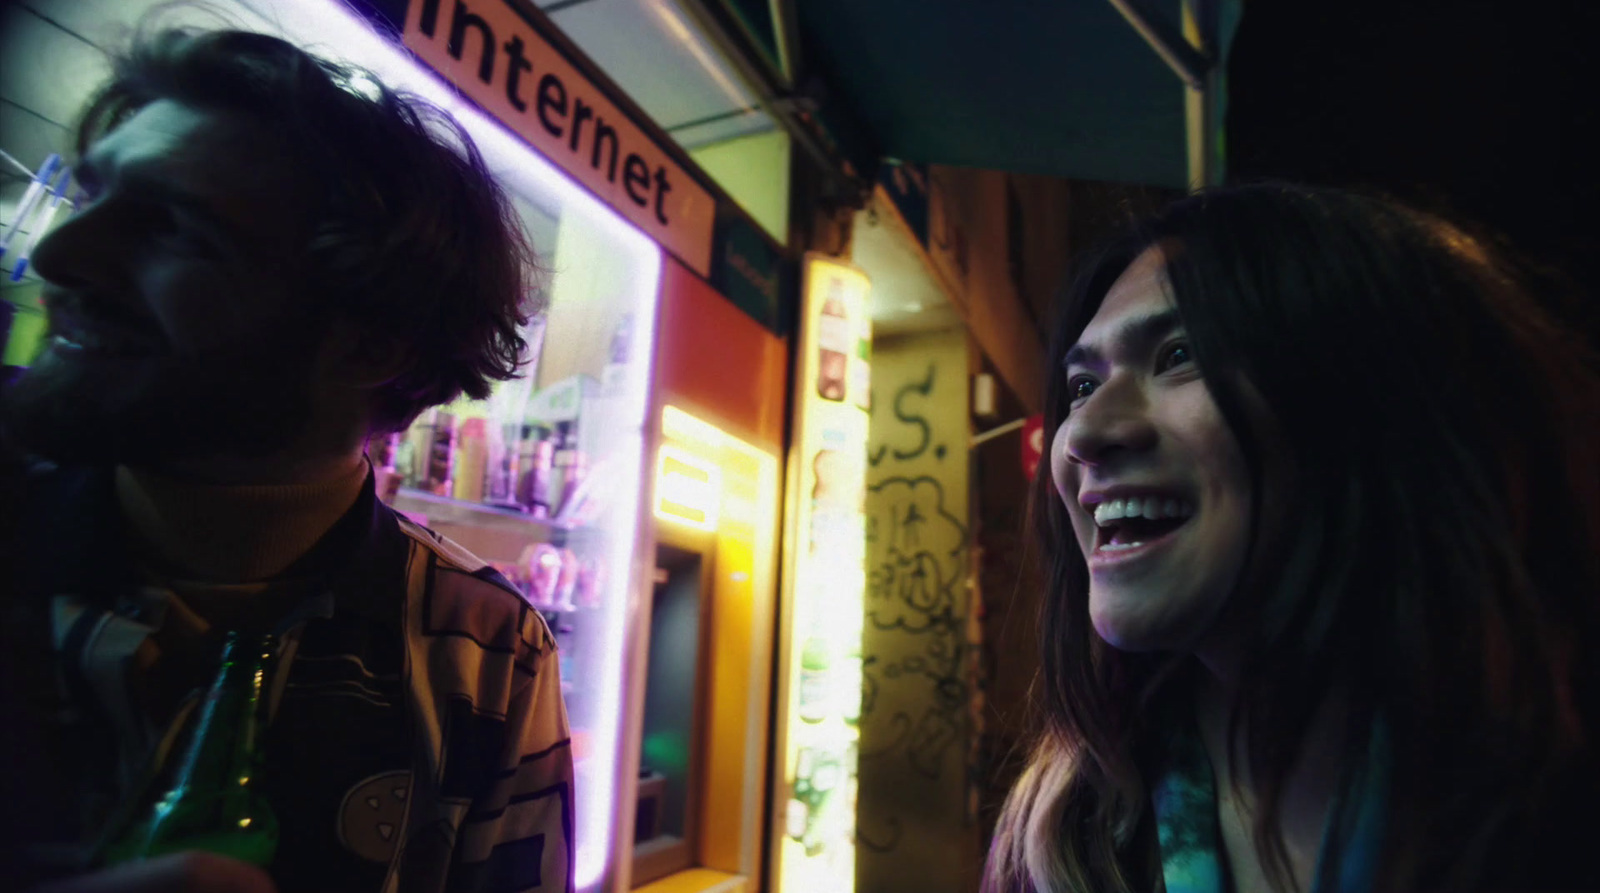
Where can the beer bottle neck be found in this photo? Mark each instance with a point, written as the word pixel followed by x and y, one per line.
pixel 222 750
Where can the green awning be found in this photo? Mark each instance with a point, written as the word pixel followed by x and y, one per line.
pixel 1065 88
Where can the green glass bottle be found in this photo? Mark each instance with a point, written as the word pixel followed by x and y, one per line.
pixel 215 802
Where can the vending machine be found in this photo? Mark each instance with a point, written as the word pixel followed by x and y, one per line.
pixel 819 663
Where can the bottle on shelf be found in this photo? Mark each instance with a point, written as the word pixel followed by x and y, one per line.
pixel 613 377
pixel 861 368
pixel 383 452
pixel 591 583
pixel 500 479
pixel 421 439
pixel 567 581
pixel 441 455
pixel 544 564
pixel 563 634
pixel 405 460
pixel 565 438
pixel 835 341
pixel 817 774
pixel 850 679
pixel 816 677
pixel 471 460
pixel 215 802
pixel 571 482
pixel 533 485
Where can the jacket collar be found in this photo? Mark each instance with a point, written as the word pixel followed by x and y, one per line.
pixel 73 539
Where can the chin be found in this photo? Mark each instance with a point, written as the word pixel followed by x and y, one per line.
pixel 147 410
pixel 1137 624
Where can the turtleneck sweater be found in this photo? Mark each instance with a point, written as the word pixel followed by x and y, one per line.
pixel 229 534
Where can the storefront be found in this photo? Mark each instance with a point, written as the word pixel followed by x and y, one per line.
pixel 630 482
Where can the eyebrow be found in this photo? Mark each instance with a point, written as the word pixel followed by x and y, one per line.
pixel 1134 335
pixel 145 185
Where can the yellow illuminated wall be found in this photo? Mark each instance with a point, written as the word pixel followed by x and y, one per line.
pixel 917 719
pixel 820 673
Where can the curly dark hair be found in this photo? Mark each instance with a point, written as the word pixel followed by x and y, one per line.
pixel 409 234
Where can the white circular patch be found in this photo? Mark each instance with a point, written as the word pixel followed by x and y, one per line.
pixel 373 814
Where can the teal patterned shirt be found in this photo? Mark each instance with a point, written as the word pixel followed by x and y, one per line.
pixel 1185 801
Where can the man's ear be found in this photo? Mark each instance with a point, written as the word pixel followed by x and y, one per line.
pixel 362 358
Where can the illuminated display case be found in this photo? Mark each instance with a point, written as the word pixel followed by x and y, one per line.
pixel 819 679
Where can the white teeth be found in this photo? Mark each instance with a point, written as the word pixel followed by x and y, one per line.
pixel 1153 508
pixel 1119 547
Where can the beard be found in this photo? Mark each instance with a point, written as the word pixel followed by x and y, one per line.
pixel 80 408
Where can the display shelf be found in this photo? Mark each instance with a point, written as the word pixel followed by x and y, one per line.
pixel 458 512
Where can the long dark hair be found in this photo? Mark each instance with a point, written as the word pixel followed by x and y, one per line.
pixel 1430 547
pixel 410 235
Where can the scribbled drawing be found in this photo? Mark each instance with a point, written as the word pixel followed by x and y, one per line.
pixel 915 587
pixel 869 683
pixel 884 844
pixel 916 685
pixel 921 388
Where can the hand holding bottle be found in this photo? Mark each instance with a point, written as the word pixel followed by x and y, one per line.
pixel 190 872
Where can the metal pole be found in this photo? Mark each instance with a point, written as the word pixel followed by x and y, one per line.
pixel 992 433
pixel 1188 63
pixel 1202 106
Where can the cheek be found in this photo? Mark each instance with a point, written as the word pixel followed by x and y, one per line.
pixel 1224 474
pixel 1061 473
pixel 203 305
pixel 1064 477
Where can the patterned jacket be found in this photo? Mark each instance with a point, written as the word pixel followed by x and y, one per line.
pixel 418 742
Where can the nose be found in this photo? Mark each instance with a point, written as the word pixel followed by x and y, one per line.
pixel 81 250
pixel 1113 422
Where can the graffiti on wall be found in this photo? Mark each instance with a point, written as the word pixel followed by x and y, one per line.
pixel 916 586
pixel 916 676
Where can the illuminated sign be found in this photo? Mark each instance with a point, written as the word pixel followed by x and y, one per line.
pixel 497 57
pixel 687 488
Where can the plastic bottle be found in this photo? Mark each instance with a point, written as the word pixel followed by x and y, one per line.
pixel 472 459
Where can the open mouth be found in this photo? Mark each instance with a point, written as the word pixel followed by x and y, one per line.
pixel 1126 524
pixel 103 340
pixel 102 344
pixel 101 328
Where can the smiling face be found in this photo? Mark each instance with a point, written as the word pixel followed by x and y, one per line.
pixel 175 328
pixel 1151 476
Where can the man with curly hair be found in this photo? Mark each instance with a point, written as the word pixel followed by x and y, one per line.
pixel 277 259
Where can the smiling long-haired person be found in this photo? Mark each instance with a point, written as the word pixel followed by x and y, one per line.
pixel 1322 524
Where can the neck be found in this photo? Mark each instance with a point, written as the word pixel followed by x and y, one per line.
pixel 274 470
pixel 235 524
pixel 1308 790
